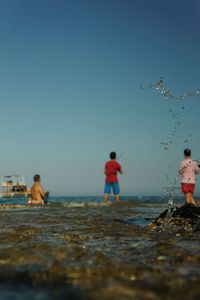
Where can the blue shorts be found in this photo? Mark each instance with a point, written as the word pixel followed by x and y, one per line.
pixel 114 186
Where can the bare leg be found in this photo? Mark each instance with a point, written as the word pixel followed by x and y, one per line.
pixel 106 197
pixel 117 198
pixel 189 199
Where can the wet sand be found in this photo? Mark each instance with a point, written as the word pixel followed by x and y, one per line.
pixel 95 252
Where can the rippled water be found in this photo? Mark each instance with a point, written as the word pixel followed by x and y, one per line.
pixel 81 248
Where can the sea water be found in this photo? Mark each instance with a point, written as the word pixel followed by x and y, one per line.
pixel 83 248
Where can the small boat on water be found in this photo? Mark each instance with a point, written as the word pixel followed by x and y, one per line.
pixel 14 186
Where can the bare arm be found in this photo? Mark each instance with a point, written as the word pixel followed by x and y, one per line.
pixel 180 171
pixel 120 170
pixel 42 192
pixel 197 170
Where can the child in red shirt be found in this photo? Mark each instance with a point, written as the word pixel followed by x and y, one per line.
pixel 112 167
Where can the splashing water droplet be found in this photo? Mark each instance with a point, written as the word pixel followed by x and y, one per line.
pixel 167 93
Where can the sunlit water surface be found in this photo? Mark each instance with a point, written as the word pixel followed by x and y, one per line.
pixel 81 248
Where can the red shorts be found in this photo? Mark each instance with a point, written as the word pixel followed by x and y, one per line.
pixel 188 187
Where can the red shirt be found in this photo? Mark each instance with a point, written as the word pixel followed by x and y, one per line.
pixel 111 169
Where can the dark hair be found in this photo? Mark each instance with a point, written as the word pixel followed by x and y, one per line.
pixel 36 178
pixel 187 152
pixel 113 155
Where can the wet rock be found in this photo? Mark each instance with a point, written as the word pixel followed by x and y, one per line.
pixel 185 216
pixel 186 211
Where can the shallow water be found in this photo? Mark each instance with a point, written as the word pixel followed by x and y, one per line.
pixel 83 249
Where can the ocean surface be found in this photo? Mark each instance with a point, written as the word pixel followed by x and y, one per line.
pixel 83 248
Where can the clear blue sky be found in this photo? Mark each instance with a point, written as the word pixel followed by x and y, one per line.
pixel 69 77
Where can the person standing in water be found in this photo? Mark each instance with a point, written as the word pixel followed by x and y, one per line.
pixel 188 169
pixel 38 194
pixel 112 168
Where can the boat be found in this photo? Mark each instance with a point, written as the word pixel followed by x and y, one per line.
pixel 14 186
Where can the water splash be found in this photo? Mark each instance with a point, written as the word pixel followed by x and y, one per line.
pixel 175 136
pixel 167 93
pixel 170 190
pixel 175 114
